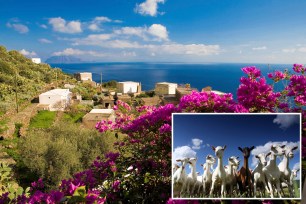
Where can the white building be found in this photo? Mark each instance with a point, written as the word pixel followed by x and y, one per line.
pixel 36 60
pixel 83 76
pixel 165 88
pixel 96 115
pixel 55 99
pixel 129 87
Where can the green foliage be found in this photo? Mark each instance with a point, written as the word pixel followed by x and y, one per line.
pixel 43 119
pixel 146 94
pixel 17 129
pixel 30 78
pixel 3 126
pixel 110 84
pixel 7 183
pixel 86 90
pixel 60 151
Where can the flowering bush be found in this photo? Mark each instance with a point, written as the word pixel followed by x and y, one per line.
pixel 140 170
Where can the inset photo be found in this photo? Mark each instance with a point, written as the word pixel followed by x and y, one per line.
pixel 236 156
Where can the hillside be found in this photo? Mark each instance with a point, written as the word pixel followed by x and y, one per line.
pixel 20 73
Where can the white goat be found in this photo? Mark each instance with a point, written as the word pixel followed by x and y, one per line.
pixel 175 167
pixel 192 177
pixel 293 175
pixel 207 175
pixel 271 171
pixel 285 170
pixel 180 177
pixel 219 175
pixel 231 179
pixel 258 175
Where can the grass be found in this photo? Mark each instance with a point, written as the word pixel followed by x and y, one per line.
pixel 3 126
pixel 74 118
pixel 43 119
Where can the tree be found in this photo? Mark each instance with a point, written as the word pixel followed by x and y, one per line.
pixel 61 151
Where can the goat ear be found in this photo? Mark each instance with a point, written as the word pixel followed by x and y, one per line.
pixel 297 170
pixel 178 160
pixel 240 149
pixel 283 146
pixel 224 147
pixel 237 157
pixel 294 148
pixel 201 164
pixel 268 154
pixel 252 148
pixel 213 148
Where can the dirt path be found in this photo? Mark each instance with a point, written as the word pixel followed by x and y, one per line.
pixel 22 117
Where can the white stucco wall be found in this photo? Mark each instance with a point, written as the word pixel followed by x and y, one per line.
pixel 128 87
pixel 58 99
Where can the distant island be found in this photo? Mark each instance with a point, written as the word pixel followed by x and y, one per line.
pixel 63 60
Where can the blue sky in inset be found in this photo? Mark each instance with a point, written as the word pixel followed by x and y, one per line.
pixel 157 30
pixel 194 134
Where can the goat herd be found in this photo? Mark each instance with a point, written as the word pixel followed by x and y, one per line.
pixel 227 181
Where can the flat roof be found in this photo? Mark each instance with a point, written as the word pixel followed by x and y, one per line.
pixel 128 82
pixel 56 92
pixel 108 111
pixel 167 83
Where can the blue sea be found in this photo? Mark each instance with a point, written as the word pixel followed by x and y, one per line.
pixel 220 76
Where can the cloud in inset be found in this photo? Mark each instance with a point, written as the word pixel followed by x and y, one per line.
pixel 183 151
pixel 285 121
pixel 18 27
pixel 149 7
pixel 61 25
pixel 196 143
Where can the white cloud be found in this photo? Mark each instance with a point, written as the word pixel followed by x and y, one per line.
pixel 159 31
pixel 156 32
pixel 129 54
pixel 302 49
pixel 196 143
pixel 94 27
pixel 28 53
pixel 102 19
pixel 285 121
pixel 289 50
pixel 18 27
pixel 74 52
pixel 259 48
pixel 44 40
pixel 95 24
pixel 43 26
pixel 297 166
pixel 136 31
pixel 61 25
pixel 93 39
pixel 184 151
pixel 267 147
pixel 189 49
pixel 149 7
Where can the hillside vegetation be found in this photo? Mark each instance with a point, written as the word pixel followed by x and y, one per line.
pixel 18 73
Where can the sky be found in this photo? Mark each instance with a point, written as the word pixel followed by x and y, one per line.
pixel 196 31
pixel 195 134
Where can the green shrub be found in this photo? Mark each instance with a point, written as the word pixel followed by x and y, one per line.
pixel 60 151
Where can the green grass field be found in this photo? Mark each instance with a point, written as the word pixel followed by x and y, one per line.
pixel 43 119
